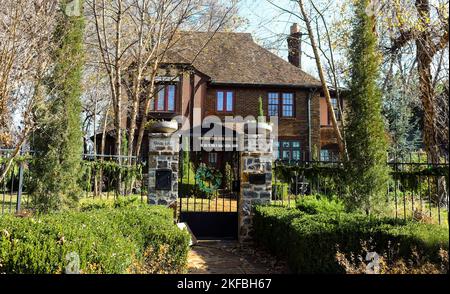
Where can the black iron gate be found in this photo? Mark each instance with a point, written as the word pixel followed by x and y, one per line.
pixel 211 214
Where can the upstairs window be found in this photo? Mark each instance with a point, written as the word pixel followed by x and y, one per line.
pixel 165 98
pixel 273 104
pixel 281 104
pixel 224 101
pixel 335 105
pixel 288 105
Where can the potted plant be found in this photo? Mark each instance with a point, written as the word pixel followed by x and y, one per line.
pixel 262 124
pixel 162 126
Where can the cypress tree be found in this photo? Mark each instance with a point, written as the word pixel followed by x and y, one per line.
pixel 366 140
pixel 58 139
pixel 260 110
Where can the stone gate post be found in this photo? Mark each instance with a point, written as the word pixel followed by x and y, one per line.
pixel 256 180
pixel 163 169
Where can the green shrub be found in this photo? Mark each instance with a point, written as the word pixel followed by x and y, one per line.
pixel 309 241
pixel 107 240
pixel 121 201
pixel 320 204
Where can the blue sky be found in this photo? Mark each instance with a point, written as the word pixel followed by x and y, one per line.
pixel 270 26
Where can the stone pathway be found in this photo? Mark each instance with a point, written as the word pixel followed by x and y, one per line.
pixel 229 257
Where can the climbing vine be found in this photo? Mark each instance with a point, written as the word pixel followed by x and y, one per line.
pixel 127 173
pixel 408 176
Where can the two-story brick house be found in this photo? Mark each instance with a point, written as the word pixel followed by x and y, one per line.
pixel 228 72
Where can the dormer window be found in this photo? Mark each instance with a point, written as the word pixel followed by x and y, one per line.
pixel 165 98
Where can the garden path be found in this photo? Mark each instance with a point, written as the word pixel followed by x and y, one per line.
pixel 229 257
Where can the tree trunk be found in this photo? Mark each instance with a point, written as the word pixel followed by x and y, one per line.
pixel 427 96
pixel 326 91
pixel 95 140
pixel 146 110
pixel 134 112
pixel 118 92
pixel 102 147
pixel 424 48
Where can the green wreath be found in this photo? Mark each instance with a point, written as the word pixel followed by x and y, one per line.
pixel 208 179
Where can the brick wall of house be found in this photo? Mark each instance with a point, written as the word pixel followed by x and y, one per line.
pixel 328 139
pixel 246 100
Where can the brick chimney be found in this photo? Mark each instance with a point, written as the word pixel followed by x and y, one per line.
pixel 295 46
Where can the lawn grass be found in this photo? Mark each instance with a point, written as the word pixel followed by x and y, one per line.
pixel 8 202
pixel 218 204
pixel 407 205
pixel 404 210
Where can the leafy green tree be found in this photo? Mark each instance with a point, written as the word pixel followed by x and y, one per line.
pixel 402 123
pixel 366 140
pixel 58 139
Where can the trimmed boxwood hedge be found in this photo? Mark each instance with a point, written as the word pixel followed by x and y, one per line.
pixel 108 240
pixel 308 241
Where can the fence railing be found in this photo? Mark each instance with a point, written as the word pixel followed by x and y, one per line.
pixel 100 174
pixel 418 189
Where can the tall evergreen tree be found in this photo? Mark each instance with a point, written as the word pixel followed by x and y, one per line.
pixel 366 140
pixel 58 140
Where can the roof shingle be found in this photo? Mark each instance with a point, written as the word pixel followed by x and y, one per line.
pixel 234 58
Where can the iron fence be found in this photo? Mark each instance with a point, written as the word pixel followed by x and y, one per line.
pixel 418 188
pixel 100 174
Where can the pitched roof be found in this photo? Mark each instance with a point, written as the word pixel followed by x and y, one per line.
pixel 234 58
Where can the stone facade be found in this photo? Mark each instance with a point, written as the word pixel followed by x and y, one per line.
pixel 163 156
pixel 256 183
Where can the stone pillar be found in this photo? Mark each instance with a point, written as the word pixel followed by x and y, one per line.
pixel 256 181
pixel 163 169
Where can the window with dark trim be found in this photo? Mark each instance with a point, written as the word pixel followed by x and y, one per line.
pixel 324 155
pixel 224 101
pixel 273 104
pixel 281 104
pixel 165 98
pixel 289 150
pixel 212 157
pixel 335 105
pixel 328 155
pixel 288 104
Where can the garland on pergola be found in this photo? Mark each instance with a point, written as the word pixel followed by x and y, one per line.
pixel 208 179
